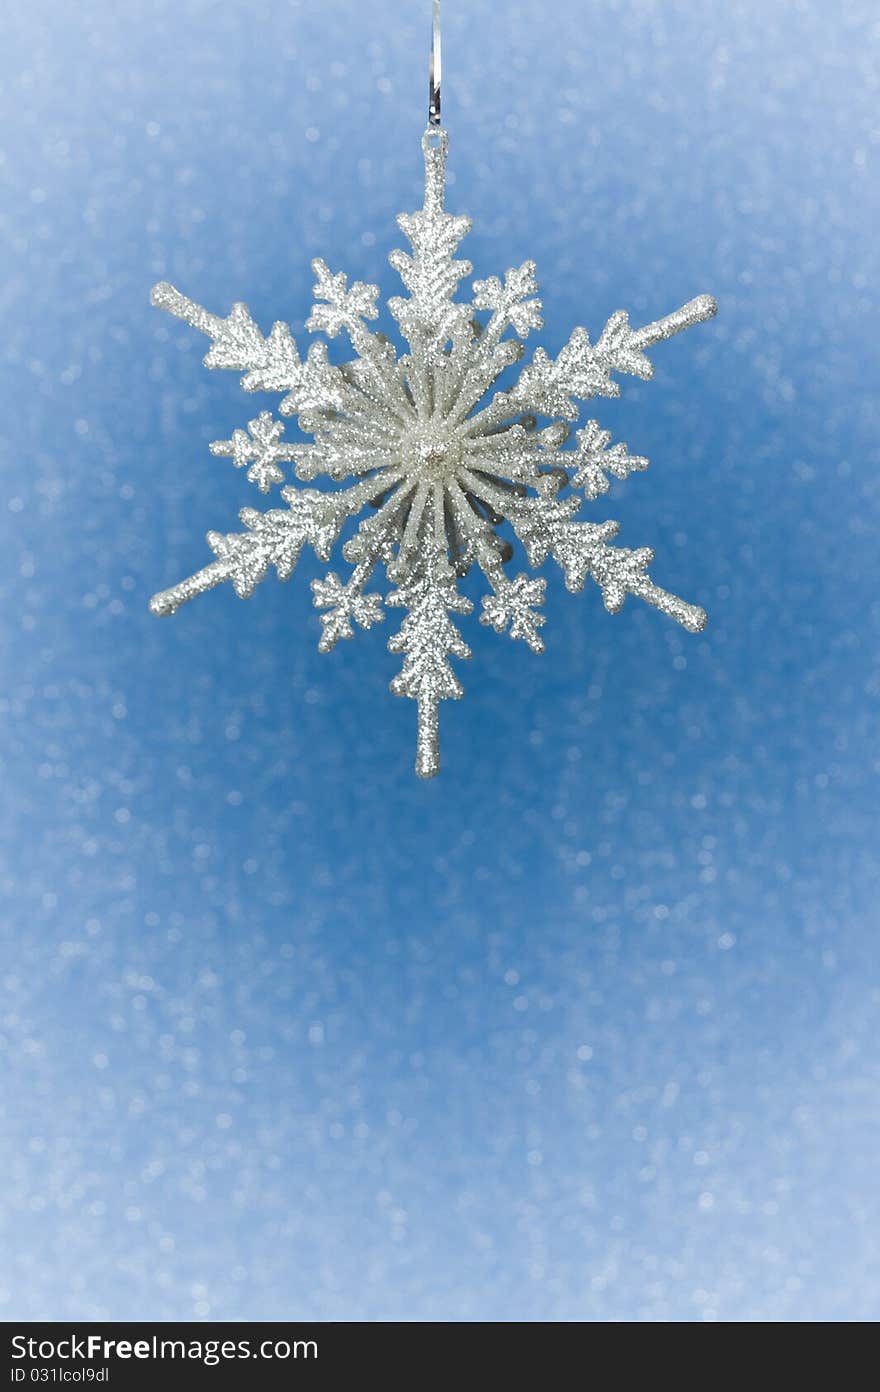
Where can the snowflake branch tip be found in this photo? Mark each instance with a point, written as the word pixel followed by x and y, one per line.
pixel 165 296
pixel 619 571
pixel 428 741
pixel 696 311
pixel 167 602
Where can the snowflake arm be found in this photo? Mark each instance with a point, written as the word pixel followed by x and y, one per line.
pixel 338 307
pixel 345 603
pixel 427 637
pixel 514 603
pixel 430 273
pixel 259 448
pixel 272 538
pixel 619 572
pixel 581 550
pixel 375 372
pixel 511 302
pixel 268 364
pixel 582 370
pixel 593 461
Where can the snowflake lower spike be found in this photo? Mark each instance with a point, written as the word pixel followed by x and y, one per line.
pixel 439 478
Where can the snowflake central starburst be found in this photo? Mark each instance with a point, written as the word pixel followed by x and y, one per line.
pixel 442 473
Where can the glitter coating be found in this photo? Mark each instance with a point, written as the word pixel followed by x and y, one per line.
pixel 446 477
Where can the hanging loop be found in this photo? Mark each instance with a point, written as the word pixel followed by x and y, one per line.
pixel 434 71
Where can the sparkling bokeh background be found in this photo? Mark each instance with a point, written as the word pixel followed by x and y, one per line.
pixel 587 1028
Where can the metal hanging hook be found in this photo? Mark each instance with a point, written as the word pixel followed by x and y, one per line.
pixel 434 71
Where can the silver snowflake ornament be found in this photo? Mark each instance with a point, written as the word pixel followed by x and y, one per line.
pixel 434 472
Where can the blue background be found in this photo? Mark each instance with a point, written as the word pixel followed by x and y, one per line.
pixel 586 1028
